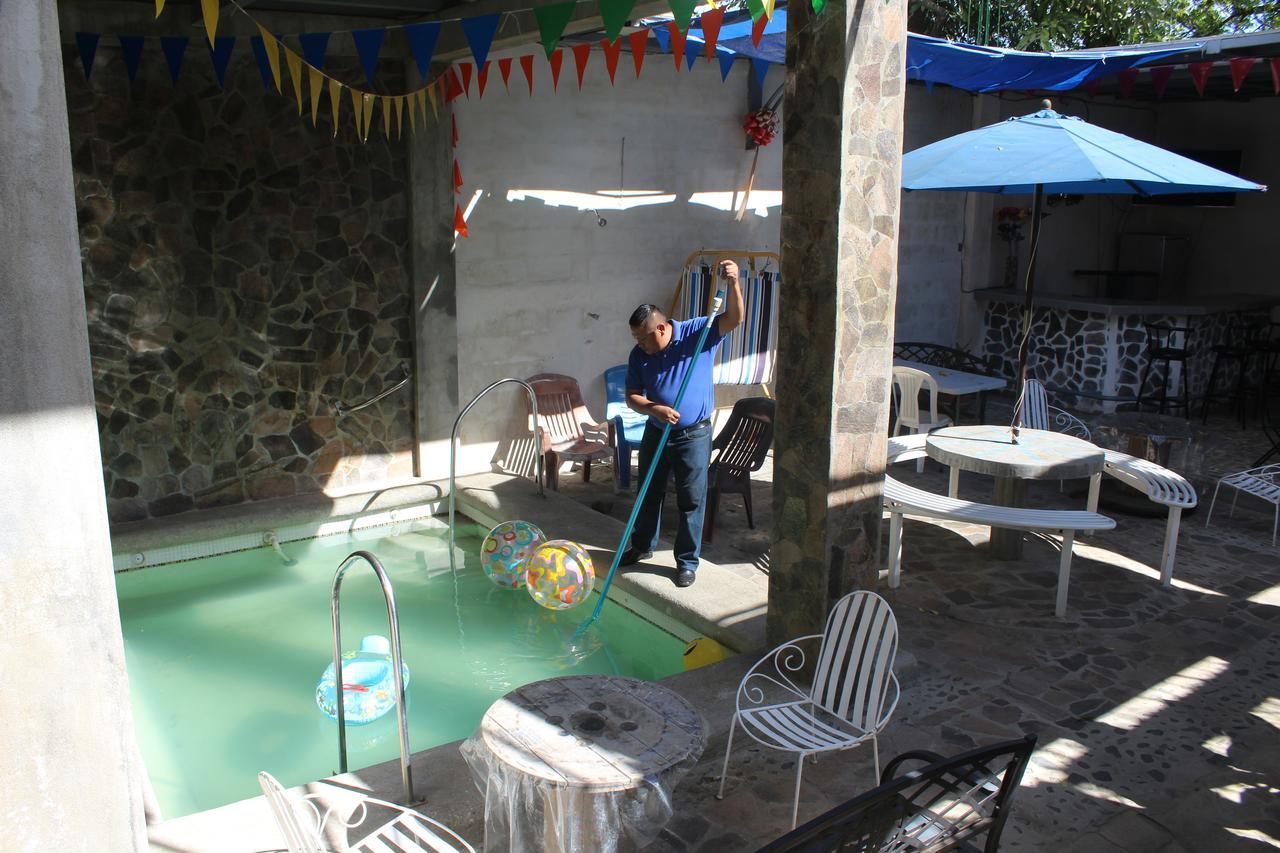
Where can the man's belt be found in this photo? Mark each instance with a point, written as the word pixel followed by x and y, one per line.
pixel 682 430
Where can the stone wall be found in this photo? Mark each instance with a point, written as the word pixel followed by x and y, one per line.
pixel 242 271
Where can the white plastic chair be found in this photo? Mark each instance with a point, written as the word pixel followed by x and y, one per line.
pixel 303 824
pixel 1261 482
pixel 907 385
pixel 854 690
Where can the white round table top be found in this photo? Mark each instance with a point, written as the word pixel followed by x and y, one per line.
pixel 592 732
pixel 1037 455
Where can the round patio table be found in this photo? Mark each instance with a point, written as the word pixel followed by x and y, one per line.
pixel 1037 455
pixel 583 762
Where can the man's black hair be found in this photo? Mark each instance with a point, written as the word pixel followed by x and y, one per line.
pixel 641 315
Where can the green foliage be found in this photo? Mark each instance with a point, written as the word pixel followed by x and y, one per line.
pixel 1069 24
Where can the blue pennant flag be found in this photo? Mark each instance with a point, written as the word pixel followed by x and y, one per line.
pixel 480 33
pixel 87 44
pixel 314 46
pixel 761 68
pixel 726 65
pixel 175 48
pixel 131 48
pixel 369 45
pixel 264 64
pixel 220 53
pixel 422 41
pixel 690 54
pixel 663 37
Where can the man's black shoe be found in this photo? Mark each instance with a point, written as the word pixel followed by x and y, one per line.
pixel 685 577
pixel 631 556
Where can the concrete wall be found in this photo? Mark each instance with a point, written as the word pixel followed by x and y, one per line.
pixel 544 288
pixel 68 758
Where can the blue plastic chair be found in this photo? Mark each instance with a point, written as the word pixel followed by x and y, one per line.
pixel 626 426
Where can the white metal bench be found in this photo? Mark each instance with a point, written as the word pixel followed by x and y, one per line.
pixel 902 500
pixel 1261 482
pixel 905 448
pixel 1161 486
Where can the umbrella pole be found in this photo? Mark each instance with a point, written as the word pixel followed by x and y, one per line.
pixel 1028 310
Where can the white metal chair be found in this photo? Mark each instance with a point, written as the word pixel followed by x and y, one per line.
pixel 907 385
pixel 396 827
pixel 1262 482
pixel 1038 414
pixel 854 690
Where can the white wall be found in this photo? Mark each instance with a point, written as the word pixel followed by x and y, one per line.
pixel 545 289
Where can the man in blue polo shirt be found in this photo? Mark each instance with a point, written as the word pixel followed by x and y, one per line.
pixel 661 358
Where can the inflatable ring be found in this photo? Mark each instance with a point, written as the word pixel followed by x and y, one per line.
pixel 368 688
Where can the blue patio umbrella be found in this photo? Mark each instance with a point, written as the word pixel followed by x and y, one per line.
pixel 1049 152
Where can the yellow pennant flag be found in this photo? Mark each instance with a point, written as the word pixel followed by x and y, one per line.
pixel 335 92
pixel 399 102
pixel 413 112
pixel 313 78
pixel 386 116
pixel 294 62
pixel 209 8
pixel 435 110
pixel 422 105
pixel 358 108
pixel 768 8
pixel 159 7
pixel 272 48
pixel 368 100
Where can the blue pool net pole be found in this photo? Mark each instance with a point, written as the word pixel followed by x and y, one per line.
pixel 653 465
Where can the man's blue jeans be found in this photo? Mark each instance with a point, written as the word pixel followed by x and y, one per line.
pixel 687 454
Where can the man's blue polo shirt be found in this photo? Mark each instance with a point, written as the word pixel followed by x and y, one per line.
pixel 658 376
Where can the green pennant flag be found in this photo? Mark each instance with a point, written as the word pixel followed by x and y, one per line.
pixel 551 23
pixel 683 12
pixel 756 7
pixel 614 14
pixel 818 6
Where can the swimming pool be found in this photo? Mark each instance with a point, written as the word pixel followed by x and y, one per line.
pixel 224 653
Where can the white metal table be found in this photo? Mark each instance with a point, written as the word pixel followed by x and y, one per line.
pixel 1037 455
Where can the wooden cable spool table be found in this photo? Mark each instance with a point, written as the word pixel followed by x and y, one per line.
pixel 1037 455
pixel 583 762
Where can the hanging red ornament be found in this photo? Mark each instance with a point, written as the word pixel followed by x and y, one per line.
pixel 761 126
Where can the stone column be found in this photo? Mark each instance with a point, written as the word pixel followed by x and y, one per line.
pixel 841 172
pixel 71 780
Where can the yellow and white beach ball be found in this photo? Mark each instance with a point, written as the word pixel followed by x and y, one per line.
pixel 506 550
pixel 560 575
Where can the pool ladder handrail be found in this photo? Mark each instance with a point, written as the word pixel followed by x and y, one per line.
pixel 406 774
pixel 453 453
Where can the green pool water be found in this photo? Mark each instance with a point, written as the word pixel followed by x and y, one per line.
pixel 224 653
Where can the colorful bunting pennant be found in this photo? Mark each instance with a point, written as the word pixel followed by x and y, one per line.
pixel 209 11
pixel 757 29
pixel 294 64
pixel 367 99
pixel 131 48
pixel 552 20
pixel 87 45
pixel 175 49
pixel 504 65
pixel 756 8
pixel 264 65
pixel 314 79
pixel 271 47
pixel 682 10
pixel 677 37
pixel 358 108
pixel 466 69
pixel 1160 78
pixel 581 53
pixel 459 222
pixel 710 23
pixel 314 46
pixel 480 32
pixel 386 115
pixel 526 65
pixel 482 78
pixel 614 14
pixel 1200 75
pixel 612 52
pixel 726 65
pixel 159 7
pixel 220 53
pixel 422 42
pixel 335 89
pixel 639 46
pixel 435 104
pixel 818 6
pixel 453 85
pixel 761 68
pixel 690 57
pixel 768 8
pixel 1125 81
pixel 399 102
pixel 1275 74
pixel 368 46
pixel 1240 66
pixel 557 60
pixel 457 177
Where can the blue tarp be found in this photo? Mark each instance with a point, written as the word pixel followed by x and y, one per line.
pixel 964 66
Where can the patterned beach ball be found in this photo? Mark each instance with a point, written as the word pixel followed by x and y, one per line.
pixel 505 551
pixel 560 575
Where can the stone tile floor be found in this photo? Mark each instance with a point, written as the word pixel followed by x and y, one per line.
pixel 1157 711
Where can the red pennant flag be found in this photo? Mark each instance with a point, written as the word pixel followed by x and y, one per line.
pixel 459 222
pixel 1160 78
pixel 639 45
pixel 504 65
pixel 677 43
pixel 454 119
pixel 1092 88
pixel 1275 74
pixel 581 53
pixel 482 78
pixel 465 67
pixel 526 65
pixel 757 29
pixel 1126 81
pixel 454 89
pixel 612 52
pixel 557 60
pixel 710 23
pixel 1200 75
pixel 1240 69
pixel 457 178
